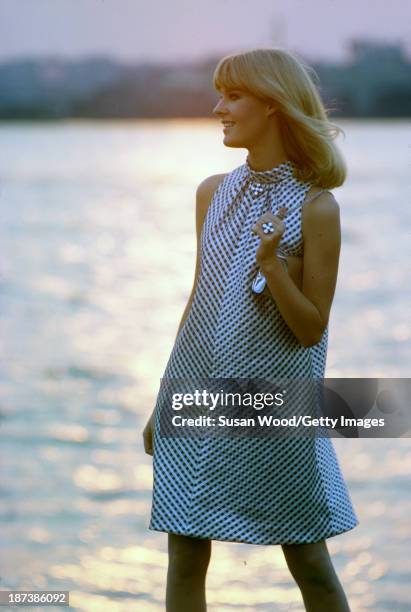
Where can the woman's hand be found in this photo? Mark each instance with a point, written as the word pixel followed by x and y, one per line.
pixel 269 242
pixel 148 436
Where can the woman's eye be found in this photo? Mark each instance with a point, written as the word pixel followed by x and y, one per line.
pixel 231 96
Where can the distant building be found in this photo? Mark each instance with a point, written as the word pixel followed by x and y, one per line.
pixel 375 80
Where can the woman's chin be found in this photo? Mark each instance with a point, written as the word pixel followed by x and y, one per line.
pixel 229 141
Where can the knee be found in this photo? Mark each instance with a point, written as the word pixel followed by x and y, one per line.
pixel 188 556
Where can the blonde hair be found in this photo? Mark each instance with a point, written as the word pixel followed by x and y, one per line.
pixel 307 133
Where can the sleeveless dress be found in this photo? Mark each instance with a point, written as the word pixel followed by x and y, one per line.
pixel 253 490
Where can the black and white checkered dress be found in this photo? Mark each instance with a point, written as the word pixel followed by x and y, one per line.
pixel 258 490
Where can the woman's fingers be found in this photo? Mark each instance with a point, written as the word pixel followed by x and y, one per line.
pixel 282 212
pixel 148 446
pixel 148 438
pixel 276 221
pixel 266 221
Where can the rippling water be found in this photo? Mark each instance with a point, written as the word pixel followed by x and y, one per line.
pixel 97 263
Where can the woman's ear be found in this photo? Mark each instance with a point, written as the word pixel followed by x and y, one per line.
pixel 271 108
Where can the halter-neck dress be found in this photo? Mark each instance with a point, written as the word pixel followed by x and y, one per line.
pixel 267 490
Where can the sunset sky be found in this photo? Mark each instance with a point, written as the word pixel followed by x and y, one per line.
pixel 183 30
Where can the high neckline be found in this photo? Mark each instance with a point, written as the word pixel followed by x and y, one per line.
pixel 273 175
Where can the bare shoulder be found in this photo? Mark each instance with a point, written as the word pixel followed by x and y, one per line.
pixel 208 186
pixel 322 210
pixel 204 194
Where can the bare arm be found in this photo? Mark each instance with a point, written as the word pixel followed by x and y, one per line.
pixel 306 312
pixel 204 194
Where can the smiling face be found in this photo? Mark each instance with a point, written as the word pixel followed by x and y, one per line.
pixel 249 115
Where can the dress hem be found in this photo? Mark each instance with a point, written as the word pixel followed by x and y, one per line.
pixel 220 539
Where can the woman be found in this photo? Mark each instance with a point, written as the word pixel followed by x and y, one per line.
pixel 268 243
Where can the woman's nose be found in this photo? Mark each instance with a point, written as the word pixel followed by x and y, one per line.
pixel 217 109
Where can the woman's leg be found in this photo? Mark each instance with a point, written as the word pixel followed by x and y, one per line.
pixel 188 560
pixel 314 573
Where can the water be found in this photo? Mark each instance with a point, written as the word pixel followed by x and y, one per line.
pixel 98 253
